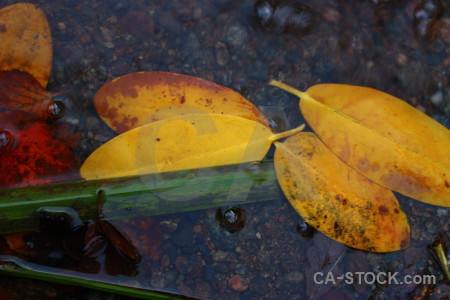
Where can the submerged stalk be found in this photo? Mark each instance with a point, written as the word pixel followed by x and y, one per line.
pixel 144 195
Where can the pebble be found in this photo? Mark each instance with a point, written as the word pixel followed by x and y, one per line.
pixel 237 36
pixel 437 98
pixel 238 283
pixel 168 226
pixel 183 265
pixel 222 55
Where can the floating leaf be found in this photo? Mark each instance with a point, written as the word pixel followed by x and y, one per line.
pixel 336 199
pixel 19 90
pixel 26 42
pixel 138 98
pixel 31 153
pixel 382 137
pixel 179 143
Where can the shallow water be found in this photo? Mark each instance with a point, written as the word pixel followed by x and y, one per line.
pixel 361 43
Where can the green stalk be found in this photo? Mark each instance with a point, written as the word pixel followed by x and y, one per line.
pixel 18 268
pixel 139 196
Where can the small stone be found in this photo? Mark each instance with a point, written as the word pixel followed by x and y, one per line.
pixel 197 229
pixel 62 25
pixel 294 277
pixel 197 13
pixel 168 226
pixel 183 265
pixel 106 34
pixel 441 212
pixel 238 283
pixel 222 56
pixel 437 98
pixel 258 235
pixel 402 59
pixel 237 36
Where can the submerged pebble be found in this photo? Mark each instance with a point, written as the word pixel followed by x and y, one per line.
pixel 426 14
pixel 285 17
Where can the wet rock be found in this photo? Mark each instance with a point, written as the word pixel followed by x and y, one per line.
pixel 237 36
pixel 283 16
pixel 426 14
pixel 168 226
pixel 222 56
pixel 183 265
pixel 238 283
pixel 290 281
pixel 136 23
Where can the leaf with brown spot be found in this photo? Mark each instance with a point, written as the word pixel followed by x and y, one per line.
pixel 382 137
pixel 26 42
pixel 336 199
pixel 135 99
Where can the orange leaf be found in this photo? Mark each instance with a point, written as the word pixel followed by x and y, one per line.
pixel 336 199
pixel 26 42
pixel 135 99
pixel 382 137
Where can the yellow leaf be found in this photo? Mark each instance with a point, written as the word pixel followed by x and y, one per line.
pixel 26 42
pixel 336 199
pixel 382 137
pixel 179 143
pixel 135 99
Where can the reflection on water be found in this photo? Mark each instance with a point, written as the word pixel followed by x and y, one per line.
pixel 399 47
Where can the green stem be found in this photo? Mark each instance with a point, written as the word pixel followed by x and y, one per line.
pixel 139 196
pixel 13 266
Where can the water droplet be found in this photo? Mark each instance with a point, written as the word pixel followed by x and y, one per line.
pixel 231 219
pixel 6 140
pixel 305 230
pixel 56 110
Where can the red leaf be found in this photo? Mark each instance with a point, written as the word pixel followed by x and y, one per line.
pixel 34 156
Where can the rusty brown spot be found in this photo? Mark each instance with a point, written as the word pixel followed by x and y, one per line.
pixel 2 28
pixel 133 121
pixel 364 165
pixel 112 113
pixel 383 210
pixel 447 184
pixel 345 152
pixel 183 99
pixel 396 210
pixel 410 184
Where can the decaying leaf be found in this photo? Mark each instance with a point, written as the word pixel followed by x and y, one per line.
pixel 26 42
pixel 336 199
pixel 382 137
pixel 31 152
pixel 138 98
pixel 20 90
pixel 181 143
